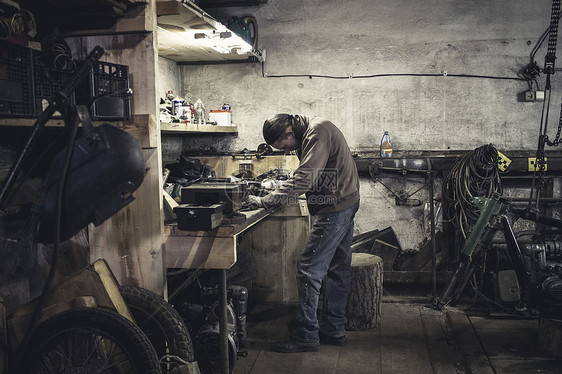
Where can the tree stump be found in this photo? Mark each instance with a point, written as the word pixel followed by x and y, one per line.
pixel 365 292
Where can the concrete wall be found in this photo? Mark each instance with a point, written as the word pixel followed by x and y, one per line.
pixel 373 37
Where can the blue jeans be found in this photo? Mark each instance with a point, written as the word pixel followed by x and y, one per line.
pixel 327 253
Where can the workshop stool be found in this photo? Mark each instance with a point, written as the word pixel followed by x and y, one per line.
pixel 365 292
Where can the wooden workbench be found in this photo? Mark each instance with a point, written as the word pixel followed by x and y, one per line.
pixel 214 249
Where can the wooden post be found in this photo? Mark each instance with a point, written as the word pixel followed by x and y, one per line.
pixel 365 293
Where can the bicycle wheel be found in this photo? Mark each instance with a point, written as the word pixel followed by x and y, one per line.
pixel 162 324
pixel 88 340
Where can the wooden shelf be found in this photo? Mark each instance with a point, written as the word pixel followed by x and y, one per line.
pixel 29 122
pixel 178 24
pixel 134 21
pixel 189 128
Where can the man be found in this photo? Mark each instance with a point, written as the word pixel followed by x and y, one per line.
pixel 327 174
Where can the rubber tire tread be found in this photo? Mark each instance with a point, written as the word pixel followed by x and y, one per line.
pixel 167 323
pixel 106 323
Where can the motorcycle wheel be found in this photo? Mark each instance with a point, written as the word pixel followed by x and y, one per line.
pixel 88 340
pixel 162 324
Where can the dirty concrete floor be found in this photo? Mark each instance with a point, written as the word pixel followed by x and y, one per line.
pixel 411 338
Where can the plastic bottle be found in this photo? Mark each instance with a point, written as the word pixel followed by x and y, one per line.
pixel 386 146
pixel 200 112
pixel 176 103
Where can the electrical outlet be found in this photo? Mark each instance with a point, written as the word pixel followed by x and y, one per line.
pixel 533 95
pixel 539 95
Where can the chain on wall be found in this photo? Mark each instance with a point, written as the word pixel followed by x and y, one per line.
pixel 549 60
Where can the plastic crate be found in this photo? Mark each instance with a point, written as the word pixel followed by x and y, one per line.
pixel 106 78
pixel 48 81
pixel 16 81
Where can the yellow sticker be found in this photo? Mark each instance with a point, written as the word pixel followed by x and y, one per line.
pixel 533 165
pixel 503 161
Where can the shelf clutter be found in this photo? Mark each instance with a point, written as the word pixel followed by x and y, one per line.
pixel 179 115
pixel 178 127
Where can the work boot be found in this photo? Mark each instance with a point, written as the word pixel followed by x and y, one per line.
pixel 332 340
pixel 292 346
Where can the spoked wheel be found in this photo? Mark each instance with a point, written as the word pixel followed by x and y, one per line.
pixel 88 340
pixel 162 324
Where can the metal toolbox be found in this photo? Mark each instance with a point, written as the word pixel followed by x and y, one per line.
pixel 231 194
pixel 199 217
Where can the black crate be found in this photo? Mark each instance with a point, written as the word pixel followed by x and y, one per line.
pixel 16 81
pixel 107 78
pixel 49 81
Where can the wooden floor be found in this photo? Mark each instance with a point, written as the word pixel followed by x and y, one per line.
pixel 412 338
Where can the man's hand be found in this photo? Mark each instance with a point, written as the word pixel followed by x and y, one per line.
pixel 253 202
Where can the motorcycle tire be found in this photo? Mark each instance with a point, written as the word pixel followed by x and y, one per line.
pixel 88 340
pixel 162 324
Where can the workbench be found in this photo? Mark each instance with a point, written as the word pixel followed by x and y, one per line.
pixel 217 249
pixel 214 249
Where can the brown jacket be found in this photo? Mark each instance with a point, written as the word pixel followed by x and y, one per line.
pixel 327 173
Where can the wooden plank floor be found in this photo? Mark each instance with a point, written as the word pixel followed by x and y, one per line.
pixel 412 338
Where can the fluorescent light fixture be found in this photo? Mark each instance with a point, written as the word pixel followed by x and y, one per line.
pixel 221 40
pixel 186 33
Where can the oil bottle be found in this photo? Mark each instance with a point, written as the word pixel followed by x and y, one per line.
pixel 386 146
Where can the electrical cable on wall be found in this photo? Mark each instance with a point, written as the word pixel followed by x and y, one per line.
pixel 351 76
pixel 528 74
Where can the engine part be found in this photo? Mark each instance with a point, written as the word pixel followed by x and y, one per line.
pixel 551 297
pixel 507 286
pixel 264 149
pixel 553 250
pixel 207 339
pixel 207 350
pixel 240 305
pixel 198 305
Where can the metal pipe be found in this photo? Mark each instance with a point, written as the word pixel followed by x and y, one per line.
pixel 487 208
pixel 542 199
pixel 432 220
pixel 223 323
